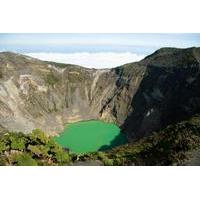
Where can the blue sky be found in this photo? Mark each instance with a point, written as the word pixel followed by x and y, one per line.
pixel 89 49
pixel 141 43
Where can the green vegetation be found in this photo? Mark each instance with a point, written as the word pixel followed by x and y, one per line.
pixel 17 142
pixel 1 74
pixel 106 161
pixel 35 148
pixel 169 146
pixel 51 79
pixel 23 159
pixel 59 65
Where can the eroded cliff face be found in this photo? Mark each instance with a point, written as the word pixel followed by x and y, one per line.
pixel 169 91
pixel 140 97
pixel 45 95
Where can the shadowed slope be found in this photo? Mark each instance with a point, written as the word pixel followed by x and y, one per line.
pixel 140 97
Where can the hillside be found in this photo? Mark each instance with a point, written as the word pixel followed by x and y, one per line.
pixel 177 144
pixel 139 97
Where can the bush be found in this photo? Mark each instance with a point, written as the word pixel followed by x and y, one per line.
pixel 3 161
pixel 51 79
pixel 38 150
pixel 23 159
pixel 17 143
pixel 38 137
pixel 2 146
pixel 62 157
pixel 32 149
pixel 102 156
pixel 58 153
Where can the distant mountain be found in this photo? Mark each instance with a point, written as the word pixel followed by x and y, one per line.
pixel 140 97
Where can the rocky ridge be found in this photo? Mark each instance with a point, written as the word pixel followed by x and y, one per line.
pixel 140 97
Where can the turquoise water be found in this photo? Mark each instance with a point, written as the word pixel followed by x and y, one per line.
pixel 90 136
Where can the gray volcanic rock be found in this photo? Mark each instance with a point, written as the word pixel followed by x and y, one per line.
pixel 168 93
pixel 46 95
pixel 140 97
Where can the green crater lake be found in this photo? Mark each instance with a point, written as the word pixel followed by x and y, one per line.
pixel 90 136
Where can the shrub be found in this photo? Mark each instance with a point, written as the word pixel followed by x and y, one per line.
pixel 38 150
pixel 23 159
pixel 17 143
pixel 2 146
pixel 32 149
pixel 3 161
pixel 38 137
pixel 102 156
pixel 62 157
pixel 51 79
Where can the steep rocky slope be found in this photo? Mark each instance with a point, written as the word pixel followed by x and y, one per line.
pixel 140 97
pixel 47 95
pixel 176 144
pixel 168 93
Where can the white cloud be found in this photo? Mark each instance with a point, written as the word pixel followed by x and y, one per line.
pixel 90 60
